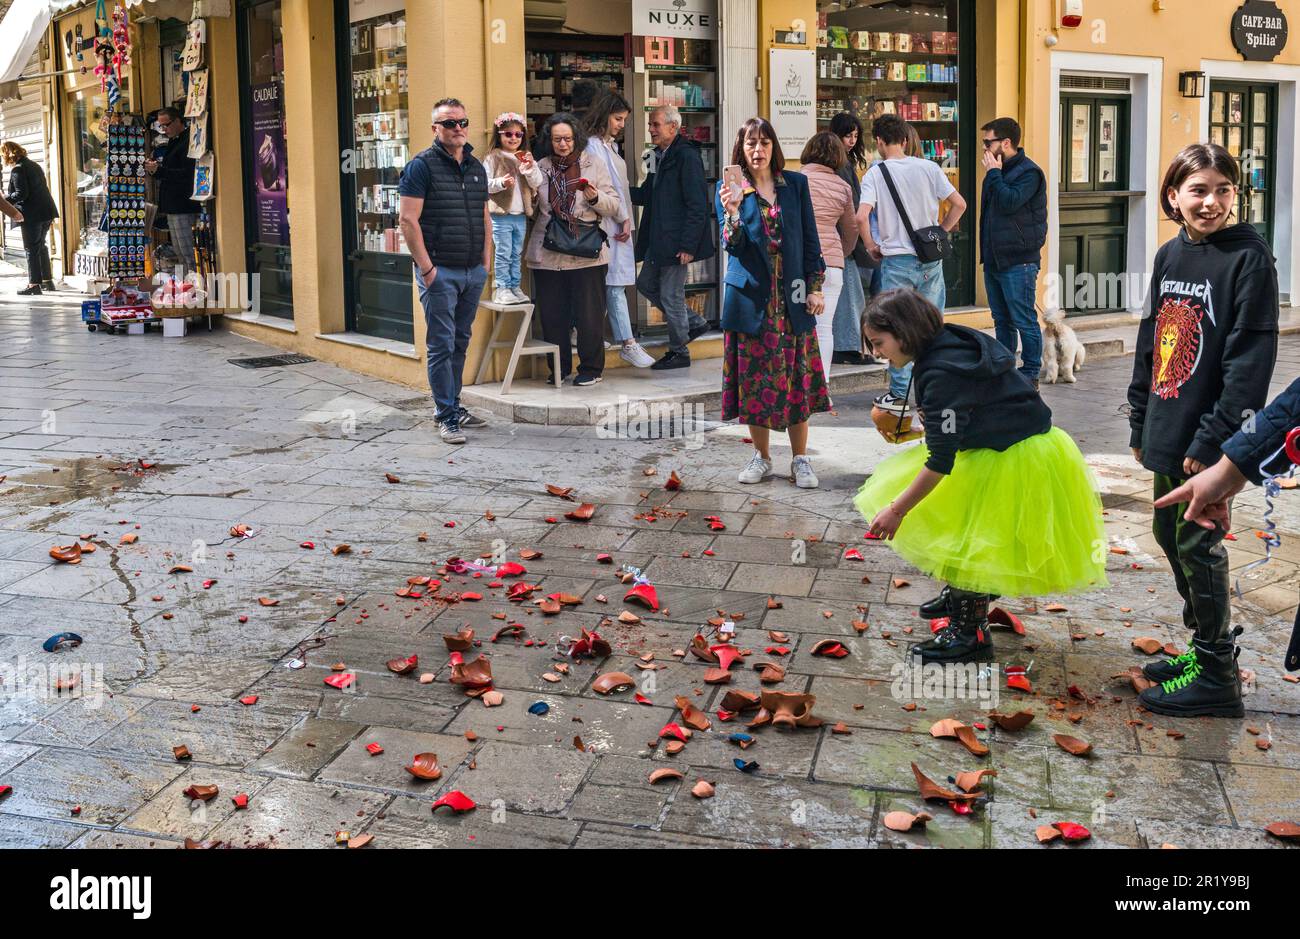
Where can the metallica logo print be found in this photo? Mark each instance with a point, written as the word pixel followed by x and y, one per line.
pixel 1179 335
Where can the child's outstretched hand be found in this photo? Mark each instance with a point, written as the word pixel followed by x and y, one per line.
pixel 885 524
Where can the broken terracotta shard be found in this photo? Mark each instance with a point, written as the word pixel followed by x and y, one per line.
pixel 425 766
pixel 738 701
pixel 461 641
pixel 476 674
pixel 905 821
pixel 665 773
pixel 403 666
pixel 1072 745
pixel 788 708
pixel 1012 722
pixel 930 790
pixel 611 682
pixel 692 716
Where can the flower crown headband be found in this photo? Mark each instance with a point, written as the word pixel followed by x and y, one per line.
pixel 509 117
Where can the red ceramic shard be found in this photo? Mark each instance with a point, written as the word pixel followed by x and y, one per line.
pixel 604 559
pixel 477 674
pixel 374 749
pixel 853 554
pixel 240 799
pixel 425 766
pixel 737 701
pixel 717 676
pixel 715 523
pixel 930 790
pixel 724 715
pixel 642 699
pixel 777 650
pixel 692 716
pixel 664 773
pixel 549 606
pixel 1000 617
pixel 726 655
pixel 672 730
pixel 341 549
pixel 248 699
pixel 645 595
pixel 788 708
pixel 829 648
pixel 1012 722
pixel 519 591
pixel 582 513
pixel 970 781
pixel 67 554
pixel 769 673
pixel 905 821
pixel 455 800
pixel 1016 678
pixel 1072 745
pixel 403 666
pixel 563 492
pixel 1287 831
pixel 5 790
pixel 1046 833
pixel 340 680
pixel 1072 831
pixel 960 808
pixel 472 597
pixel 513 630
pixel 611 682
pixel 391 478
pixel 202 793
pixel 308 545
pixel 674 482
pixel 701 650
pixel 511 569
pixel 461 641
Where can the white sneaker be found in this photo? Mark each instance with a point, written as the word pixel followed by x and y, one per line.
pixel 802 471
pixel 893 404
pixel 757 470
pixel 504 295
pixel 634 355
pixel 520 296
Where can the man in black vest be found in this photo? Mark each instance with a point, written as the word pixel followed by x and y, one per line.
pixel 444 219
pixel 1013 230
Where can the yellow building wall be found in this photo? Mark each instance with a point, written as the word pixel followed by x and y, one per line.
pixel 1182 34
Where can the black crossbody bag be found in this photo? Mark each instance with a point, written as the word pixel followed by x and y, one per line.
pixel 581 240
pixel 932 242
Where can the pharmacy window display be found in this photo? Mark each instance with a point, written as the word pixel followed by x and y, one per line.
pixel 376 146
pixel 913 59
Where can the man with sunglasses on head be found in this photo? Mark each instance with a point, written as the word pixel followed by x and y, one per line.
pixel 444 219
pixel 1013 230
pixel 175 175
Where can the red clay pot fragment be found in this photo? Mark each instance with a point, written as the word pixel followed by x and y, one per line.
pixel 787 707
pixel 610 682
pixel 425 766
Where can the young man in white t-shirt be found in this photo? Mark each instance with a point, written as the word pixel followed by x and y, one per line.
pixel 921 186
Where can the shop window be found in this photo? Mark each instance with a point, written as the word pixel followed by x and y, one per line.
pixel 913 59
pixel 265 142
pixel 376 146
pixel 89 163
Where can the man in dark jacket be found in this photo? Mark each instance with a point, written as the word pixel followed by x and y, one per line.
pixel 675 230
pixel 1013 229
pixel 30 194
pixel 175 175
pixel 1208 495
pixel 444 219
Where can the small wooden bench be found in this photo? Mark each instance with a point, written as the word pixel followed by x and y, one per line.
pixel 522 344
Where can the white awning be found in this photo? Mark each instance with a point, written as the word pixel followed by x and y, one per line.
pixel 21 31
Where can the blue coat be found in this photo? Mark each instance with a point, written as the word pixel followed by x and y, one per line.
pixel 1013 227
pixel 749 268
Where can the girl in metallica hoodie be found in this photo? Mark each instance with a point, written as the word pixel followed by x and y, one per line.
pixel 1205 355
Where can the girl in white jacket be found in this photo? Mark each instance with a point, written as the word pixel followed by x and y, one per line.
pixel 513 181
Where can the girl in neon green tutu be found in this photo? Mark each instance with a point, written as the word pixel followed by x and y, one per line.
pixel 997 501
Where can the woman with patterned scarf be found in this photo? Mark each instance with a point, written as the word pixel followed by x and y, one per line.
pixel 577 189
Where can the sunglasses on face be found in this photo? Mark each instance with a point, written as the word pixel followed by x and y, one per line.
pixel 512 134
pixel 453 124
pixel 993 140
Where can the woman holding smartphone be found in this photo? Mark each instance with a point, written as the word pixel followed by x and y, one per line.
pixel 772 376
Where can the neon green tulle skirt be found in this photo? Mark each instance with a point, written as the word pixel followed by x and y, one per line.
pixel 1022 522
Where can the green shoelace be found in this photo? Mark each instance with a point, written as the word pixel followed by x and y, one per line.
pixel 1191 672
pixel 1185 658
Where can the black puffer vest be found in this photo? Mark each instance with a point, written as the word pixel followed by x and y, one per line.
pixel 452 218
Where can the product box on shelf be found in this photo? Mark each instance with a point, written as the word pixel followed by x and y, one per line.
pixel 902 42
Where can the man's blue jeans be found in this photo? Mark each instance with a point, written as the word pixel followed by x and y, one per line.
pixel 902 271
pixel 1011 298
pixel 450 305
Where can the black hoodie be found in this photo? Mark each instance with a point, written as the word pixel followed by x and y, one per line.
pixel 1205 349
pixel 971 396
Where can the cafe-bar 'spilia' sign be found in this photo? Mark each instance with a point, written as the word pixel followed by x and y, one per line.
pixel 1259 30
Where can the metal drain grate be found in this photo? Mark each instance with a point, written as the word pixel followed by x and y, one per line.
pixel 272 361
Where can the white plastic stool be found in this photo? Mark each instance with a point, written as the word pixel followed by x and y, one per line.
pixel 522 344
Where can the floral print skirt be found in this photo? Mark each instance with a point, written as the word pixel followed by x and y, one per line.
pixel 773 379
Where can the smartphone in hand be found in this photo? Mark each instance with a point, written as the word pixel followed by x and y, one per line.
pixel 734 177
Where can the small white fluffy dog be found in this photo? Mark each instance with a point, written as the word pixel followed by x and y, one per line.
pixel 1063 353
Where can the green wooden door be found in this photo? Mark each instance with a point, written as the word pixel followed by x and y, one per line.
pixel 1094 207
pixel 1243 119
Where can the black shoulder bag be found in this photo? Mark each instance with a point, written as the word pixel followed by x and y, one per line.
pixel 932 242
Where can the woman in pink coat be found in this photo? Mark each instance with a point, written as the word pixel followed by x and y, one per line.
pixel 837 225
